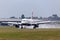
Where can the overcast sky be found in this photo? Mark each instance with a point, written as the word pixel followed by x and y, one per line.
pixel 16 8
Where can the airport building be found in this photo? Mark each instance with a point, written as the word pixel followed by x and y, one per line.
pixel 5 21
pixel 9 20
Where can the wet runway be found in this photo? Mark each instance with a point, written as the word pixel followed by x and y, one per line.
pixel 44 26
pixel 49 26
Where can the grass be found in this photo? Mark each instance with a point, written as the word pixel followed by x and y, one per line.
pixel 12 33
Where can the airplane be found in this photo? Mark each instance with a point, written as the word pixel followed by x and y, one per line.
pixel 33 23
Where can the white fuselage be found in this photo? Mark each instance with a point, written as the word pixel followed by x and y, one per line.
pixel 29 23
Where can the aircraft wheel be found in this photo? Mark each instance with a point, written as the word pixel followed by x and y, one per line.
pixel 17 26
pixel 21 26
pixel 35 26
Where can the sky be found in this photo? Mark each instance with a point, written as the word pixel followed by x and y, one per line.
pixel 44 8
